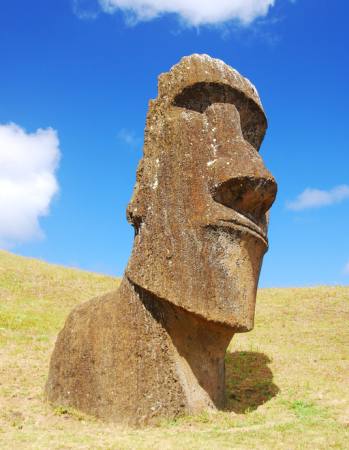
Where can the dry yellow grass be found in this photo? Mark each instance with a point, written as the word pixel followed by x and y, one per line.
pixel 287 381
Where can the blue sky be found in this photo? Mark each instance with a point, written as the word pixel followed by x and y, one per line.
pixel 84 75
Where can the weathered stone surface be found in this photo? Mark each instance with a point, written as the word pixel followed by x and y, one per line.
pixel 156 346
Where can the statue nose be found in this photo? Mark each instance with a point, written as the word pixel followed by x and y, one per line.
pixel 251 196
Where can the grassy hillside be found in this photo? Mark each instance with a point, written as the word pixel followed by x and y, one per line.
pixel 287 381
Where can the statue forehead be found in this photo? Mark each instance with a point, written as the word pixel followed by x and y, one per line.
pixel 197 82
pixel 196 69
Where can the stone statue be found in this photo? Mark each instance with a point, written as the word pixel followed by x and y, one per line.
pixel 156 346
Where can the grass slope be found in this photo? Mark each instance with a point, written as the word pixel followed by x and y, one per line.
pixel 287 381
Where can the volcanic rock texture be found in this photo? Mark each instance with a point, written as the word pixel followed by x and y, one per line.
pixel 156 346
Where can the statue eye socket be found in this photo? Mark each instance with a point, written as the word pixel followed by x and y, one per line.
pixel 250 196
pixel 199 96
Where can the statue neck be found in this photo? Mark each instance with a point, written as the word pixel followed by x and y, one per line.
pixel 198 348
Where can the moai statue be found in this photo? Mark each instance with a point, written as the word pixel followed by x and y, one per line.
pixel 156 346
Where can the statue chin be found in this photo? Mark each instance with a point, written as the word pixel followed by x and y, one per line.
pixel 218 282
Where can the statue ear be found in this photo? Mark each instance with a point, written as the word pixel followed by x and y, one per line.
pixel 136 209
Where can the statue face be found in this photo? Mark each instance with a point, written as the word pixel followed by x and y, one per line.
pixel 203 192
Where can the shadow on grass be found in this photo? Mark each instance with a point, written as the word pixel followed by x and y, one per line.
pixel 249 381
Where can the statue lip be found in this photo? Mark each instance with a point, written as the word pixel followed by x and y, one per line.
pixel 245 225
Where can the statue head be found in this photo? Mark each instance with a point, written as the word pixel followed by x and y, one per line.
pixel 201 200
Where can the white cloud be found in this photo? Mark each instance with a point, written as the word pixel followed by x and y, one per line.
pixel 315 198
pixel 28 162
pixel 86 9
pixel 346 269
pixel 129 138
pixel 192 12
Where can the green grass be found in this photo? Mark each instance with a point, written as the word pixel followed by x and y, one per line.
pixel 287 381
